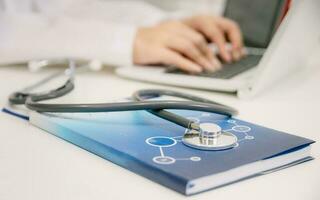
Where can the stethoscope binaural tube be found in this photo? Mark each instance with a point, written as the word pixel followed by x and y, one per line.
pixel 142 95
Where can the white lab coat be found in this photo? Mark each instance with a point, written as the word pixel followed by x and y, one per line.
pixel 86 29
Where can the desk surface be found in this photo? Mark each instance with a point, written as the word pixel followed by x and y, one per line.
pixel 37 165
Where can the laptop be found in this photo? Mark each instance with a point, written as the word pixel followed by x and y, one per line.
pixel 274 51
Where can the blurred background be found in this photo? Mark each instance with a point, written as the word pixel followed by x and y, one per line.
pixel 190 6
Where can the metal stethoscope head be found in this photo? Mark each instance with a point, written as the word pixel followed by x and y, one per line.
pixel 205 136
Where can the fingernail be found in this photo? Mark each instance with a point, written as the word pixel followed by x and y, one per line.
pixel 236 55
pixel 244 52
pixel 216 63
pixel 197 70
pixel 228 58
pixel 209 66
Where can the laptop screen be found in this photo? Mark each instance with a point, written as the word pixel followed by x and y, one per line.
pixel 257 19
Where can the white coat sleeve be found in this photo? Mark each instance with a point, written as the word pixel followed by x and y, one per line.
pixel 70 33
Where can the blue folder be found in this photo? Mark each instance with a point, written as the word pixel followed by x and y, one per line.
pixel 152 147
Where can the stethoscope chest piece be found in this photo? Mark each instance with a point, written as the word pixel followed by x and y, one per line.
pixel 209 137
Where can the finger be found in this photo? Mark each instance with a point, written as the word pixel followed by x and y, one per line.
pixel 233 32
pixel 202 44
pixel 216 63
pixel 234 35
pixel 216 35
pixel 190 50
pixel 170 57
pixel 199 40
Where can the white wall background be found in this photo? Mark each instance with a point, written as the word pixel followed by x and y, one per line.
pixel 190 6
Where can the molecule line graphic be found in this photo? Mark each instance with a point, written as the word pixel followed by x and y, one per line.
pixel 240 129
pixel 165 142
pixel 162 142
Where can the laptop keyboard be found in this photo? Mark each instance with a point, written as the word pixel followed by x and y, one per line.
pixel 228 70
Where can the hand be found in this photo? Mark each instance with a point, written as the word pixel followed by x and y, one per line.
pixel 174 43
pixel 219 30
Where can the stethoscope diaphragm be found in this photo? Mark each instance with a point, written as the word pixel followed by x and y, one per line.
pixel 209 137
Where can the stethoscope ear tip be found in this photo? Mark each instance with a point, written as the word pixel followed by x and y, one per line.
pixel 17 98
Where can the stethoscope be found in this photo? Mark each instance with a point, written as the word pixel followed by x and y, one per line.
pixel 204 136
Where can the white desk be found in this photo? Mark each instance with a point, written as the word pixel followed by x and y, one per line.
pixel 37 165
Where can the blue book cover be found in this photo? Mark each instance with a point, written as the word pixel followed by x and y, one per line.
pixel 152 147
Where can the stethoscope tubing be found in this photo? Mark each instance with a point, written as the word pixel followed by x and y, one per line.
pixel 155 107
pixel 140 102
pixel 128 106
